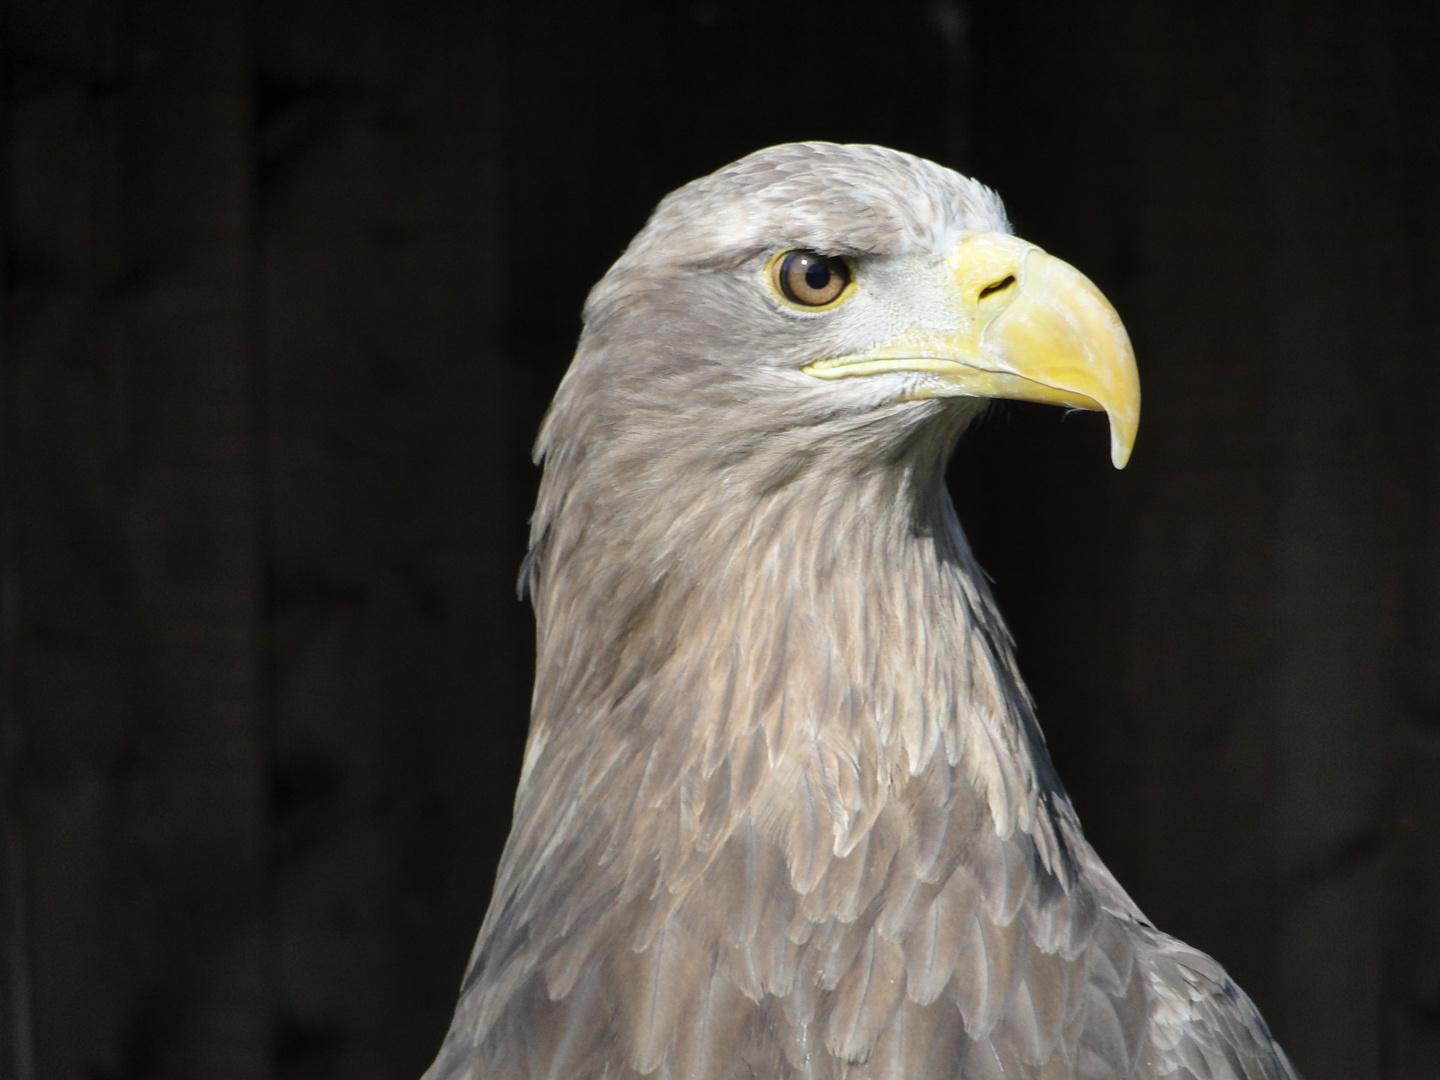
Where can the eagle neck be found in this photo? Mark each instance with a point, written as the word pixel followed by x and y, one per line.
pixel 824 626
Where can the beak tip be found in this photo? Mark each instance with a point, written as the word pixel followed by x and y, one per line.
pixel 1121 443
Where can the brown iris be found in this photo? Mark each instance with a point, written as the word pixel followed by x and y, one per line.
pixel 811 280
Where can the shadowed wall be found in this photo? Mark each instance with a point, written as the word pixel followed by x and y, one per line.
pixel 288 286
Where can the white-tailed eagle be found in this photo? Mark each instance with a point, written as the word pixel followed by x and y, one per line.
pixel 785 809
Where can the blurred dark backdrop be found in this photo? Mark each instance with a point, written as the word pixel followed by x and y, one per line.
pixel 288 284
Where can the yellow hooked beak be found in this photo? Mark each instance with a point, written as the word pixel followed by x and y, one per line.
pixel 1019 324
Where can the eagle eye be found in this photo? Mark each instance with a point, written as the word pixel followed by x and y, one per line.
pixel 808 279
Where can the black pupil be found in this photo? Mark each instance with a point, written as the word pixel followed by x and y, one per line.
pixel 817 275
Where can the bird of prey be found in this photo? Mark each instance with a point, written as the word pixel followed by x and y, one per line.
pixel 785 810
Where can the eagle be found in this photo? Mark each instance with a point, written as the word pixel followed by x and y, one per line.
pixel 785 811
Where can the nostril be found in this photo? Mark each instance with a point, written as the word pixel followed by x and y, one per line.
pixel 1003 283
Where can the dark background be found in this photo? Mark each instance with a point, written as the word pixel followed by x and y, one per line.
pixel 288 284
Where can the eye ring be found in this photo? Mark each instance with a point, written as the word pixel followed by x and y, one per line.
pixel 809 280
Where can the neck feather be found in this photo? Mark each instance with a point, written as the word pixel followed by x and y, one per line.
pixel 807 615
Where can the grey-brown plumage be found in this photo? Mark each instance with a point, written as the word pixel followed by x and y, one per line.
pixel 785 809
